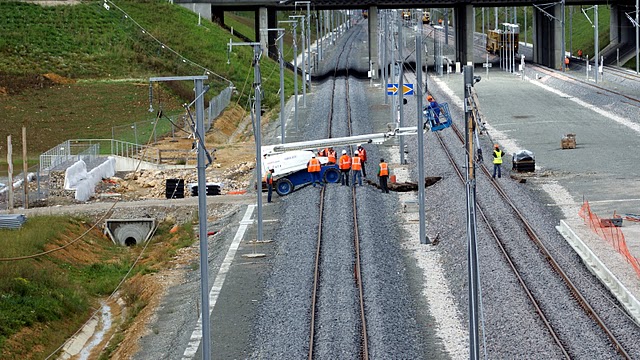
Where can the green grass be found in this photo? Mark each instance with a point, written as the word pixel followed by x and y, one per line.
pixel 54 294
pixel 49 289
pixel 86 42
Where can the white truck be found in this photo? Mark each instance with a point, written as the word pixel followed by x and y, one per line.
pixel 289 161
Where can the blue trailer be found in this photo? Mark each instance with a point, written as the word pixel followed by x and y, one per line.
pixel 287 184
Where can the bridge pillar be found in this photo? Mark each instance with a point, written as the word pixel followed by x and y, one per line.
pixel 266 19
pixel 547 37
pixel 203 9
pixel 373 41
pixel 464 22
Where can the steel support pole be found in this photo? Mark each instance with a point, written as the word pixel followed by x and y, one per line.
pixel 304 71
pixel 295 76
pixel 525 24
pixel 401 90
pixel 308 45
pixel 564 51
pixel 202 224
pixel 597 49
pixel 257 107
pixel 385 68
pixel 637 36
pixel 420 128
pixel 472 255
pixel 318 38
pixel 281 57
pixel 392 62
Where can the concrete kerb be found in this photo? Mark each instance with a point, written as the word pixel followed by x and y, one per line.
pixel 608 279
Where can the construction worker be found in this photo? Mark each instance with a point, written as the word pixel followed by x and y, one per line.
pixel 497 160
pixel 566 63
pixel 323 152
pixel 331 155
pixel 433 105
pixel 356 169
pixel 580 53
pixel 313 167
pixel 344 164
pixel 363 159
pixel 268 178
pixel 383 174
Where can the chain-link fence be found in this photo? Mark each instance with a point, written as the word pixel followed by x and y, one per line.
pixel 143 132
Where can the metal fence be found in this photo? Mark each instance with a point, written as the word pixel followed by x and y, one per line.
pixel 145 131
pixel 68 151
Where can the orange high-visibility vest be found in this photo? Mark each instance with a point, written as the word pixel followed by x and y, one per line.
pixel 332 156
pixel 323 152
pixel 356 165
pixel 268 178
pixel 363 154
pixel 384 169
pixel 345 162
pixel 313 165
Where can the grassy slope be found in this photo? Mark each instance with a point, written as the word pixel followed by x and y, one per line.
pixel 90 43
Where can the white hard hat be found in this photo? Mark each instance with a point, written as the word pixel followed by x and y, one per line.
pixel 359 145
pixel 344 151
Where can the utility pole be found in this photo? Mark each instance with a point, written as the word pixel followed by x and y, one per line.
pixel 393 65
pixel 25 168
pixel 294 24
pixel 564 50
pixel 385 71
pixel 401 90
pixel 637 36
pixel 597 49
pixel 10 173
pixel 281 60
pixel 202 204
pixel 472 255
pixel 420 131
pixel 308 44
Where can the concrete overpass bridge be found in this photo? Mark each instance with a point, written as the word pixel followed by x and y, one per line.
pixel 548 40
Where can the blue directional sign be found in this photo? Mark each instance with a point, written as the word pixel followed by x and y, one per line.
pixel 407 89
pixel 392 89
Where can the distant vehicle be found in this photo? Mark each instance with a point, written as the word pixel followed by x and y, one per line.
pixel 365 13
pixel 426 17
pixel 290 170
pixel 406 15
pixel 499 39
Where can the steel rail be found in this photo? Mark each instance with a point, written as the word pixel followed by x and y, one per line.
pixel 569 78
pixel 508 258
pixel 316 281
pixel 550 259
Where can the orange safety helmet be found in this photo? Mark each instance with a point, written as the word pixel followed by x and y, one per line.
pixel 429 97
pixel 496 145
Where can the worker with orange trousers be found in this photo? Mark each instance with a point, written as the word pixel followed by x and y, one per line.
pixel 383 174
pixel 356 169
pixel 313 167
pixel 345 165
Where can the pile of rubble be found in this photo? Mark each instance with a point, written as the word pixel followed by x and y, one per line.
pixel 151 184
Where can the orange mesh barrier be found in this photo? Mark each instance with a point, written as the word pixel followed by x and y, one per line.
pixel 607 231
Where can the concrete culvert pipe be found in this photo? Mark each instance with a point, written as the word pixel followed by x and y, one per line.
pixel 131 234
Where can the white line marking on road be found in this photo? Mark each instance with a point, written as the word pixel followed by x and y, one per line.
pixel 619 119
pixel 196 335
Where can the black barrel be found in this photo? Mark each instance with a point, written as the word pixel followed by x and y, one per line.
pixel 175 188
pixel 211 190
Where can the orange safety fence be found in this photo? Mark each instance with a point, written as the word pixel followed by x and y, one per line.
pixel 605 229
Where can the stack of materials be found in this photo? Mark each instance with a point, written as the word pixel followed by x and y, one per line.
pixel 175 189
pixel 212 189
pixel 568 141
pixel 12 221
pixel 524 160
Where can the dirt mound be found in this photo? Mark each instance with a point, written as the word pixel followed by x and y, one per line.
pixel 58 79
pixel 17 84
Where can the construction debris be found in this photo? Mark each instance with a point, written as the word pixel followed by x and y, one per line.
pixel 12 221
pixel 406 186
pixel 568 141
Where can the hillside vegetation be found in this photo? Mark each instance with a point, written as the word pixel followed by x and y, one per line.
pixel 98 63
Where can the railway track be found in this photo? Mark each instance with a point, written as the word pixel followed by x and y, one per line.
pixel 576 293
pixel 632 100
pixel 322 239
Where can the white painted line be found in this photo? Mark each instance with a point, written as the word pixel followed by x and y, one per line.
pixel 619 119
pixel 594 202
pixel 196 335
